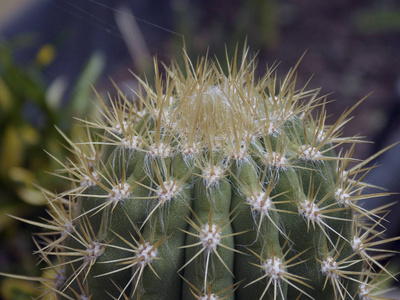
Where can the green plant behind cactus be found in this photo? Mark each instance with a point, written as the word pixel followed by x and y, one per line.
pixel 214 185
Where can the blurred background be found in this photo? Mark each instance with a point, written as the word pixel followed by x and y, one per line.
pixel 53 51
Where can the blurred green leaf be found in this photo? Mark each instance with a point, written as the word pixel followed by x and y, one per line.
pixel 79 102
pixel 55 93
pixel 372 22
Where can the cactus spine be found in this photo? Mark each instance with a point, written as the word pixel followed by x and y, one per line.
pixel 214 185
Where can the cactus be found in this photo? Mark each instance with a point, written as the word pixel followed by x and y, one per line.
pixel 214 185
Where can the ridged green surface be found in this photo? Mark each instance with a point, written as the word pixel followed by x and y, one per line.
pixel 214 185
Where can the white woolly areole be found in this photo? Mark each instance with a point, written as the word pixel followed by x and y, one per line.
pixel 91 160
pixel 260 202
pixel 363 292
pixel 276 119
pixel 276 160
pixel 308 152
pixel 272 128
pixel 190 149
pixel 119 192
pixel 89 181
pixel 344 175
pixel 156 113
pixel 274 268
pixel 271 99
pixel 266 126
pixel 213 175
pixel 240 154
pixel 210 237
pixel 209 297
pixel 60 278
pixel 169 100
pixel 309 210
pixel 329 267
pixel 342 197
pixel 93 251
pixel 218 93
pixel 118 129
pixel 169 191
pixel 281 115
pixel 166 120
pixel 160 150
pixel 68 228
pixel 145 254
pixel 357 245
pixel 83 297
pixel 139 113
pixel 169 123
pixel 132 142
pixel 320 135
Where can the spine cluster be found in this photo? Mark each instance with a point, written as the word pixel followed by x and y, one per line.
pixel 214 185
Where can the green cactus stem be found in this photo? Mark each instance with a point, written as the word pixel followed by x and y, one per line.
pixel 214 185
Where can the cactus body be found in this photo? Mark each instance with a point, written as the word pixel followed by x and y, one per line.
pixel 213 185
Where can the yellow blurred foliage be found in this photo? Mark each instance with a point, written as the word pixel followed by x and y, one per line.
pixel 5 97
pixel 27 192
pixel 12 289
pixel 21 175
pixel 46 55
pixel 31 196
pixel 29 134
pixel 12 150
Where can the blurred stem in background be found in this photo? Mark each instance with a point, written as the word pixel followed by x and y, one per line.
pixel 221 25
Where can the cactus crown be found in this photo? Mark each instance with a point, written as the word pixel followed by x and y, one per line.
pixel 214 185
